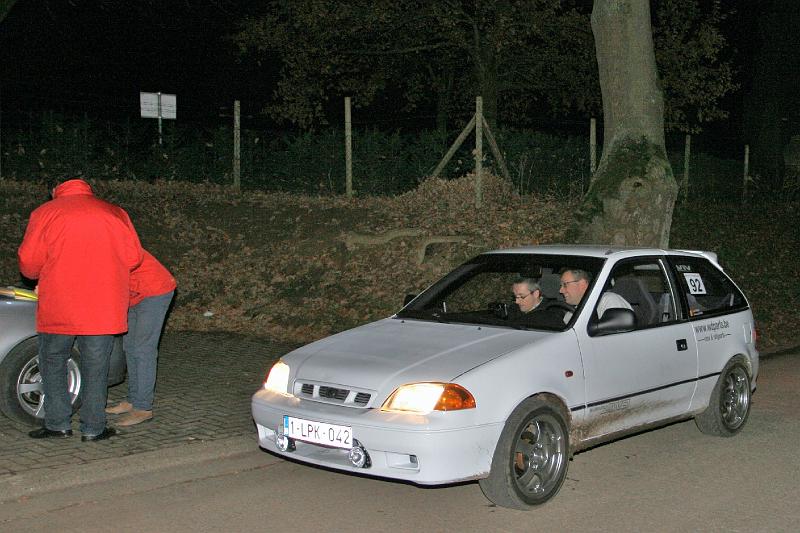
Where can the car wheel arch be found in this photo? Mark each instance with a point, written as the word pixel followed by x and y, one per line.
pixel 19 342
pixel 742 359
pixel 555 400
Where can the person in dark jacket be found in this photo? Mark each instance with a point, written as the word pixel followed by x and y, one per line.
pixel 81 249
pixel 152 289
pixel 531 309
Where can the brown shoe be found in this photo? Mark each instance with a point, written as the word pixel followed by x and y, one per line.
pixel 121 407
pixel 134 417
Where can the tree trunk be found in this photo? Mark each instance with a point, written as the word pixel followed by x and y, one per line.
pixel 633 192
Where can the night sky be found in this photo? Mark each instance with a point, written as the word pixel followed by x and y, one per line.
pixel 104 52
pixel 99 54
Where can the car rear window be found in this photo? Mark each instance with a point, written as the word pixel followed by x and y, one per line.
pixel 705 288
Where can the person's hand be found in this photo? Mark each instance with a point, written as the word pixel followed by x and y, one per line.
pixel 36 290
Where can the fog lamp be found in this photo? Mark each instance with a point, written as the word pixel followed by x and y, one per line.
pixel 359 456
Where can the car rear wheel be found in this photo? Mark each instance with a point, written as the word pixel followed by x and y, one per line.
pixel 21 394
pixel 531 459
pixel 729 406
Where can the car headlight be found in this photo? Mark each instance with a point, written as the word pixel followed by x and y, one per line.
pixel 278 378
pixel 422 398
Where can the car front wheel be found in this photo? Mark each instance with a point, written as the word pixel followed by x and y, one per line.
pixel 729 406
pixel 21 394
pixel 531 459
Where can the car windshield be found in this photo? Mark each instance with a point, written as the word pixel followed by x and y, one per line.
pixel 483 291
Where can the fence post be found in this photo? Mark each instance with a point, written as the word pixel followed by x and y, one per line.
pixel 478 151
pixel 348 148
pixel 592 146
pixel 687 150
pixel 160 134
pixel 746 176
pixel 237 154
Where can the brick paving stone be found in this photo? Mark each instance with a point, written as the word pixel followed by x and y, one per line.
pixel 203 389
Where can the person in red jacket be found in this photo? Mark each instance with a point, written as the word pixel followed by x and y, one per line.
pixel 81 249
pixel 151 291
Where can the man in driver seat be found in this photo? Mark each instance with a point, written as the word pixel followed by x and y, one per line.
pixel 530 308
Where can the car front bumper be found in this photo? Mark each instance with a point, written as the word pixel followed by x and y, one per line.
pixel 428 450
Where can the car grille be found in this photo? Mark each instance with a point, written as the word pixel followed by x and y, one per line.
pixel 333 394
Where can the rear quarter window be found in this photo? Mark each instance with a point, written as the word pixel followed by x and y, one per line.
pixel 705 289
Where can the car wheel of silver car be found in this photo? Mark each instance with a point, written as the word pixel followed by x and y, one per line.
pixel 531 459
pixel 21 395
pixel 729 406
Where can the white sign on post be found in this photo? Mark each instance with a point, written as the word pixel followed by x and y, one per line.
pixel 158 105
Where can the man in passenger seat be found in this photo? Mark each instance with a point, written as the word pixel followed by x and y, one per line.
pixel 574 283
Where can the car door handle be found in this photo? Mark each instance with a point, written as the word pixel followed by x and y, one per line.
pixel 681 345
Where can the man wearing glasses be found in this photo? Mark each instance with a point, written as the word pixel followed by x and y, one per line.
pixel 527 294
pixel 574 283
pixel 531 309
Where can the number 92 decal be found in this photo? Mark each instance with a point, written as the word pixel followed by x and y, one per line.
pixel 695 283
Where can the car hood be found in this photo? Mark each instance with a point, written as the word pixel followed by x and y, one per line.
pixel 385 354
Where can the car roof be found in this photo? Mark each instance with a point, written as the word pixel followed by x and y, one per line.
pixel 602 251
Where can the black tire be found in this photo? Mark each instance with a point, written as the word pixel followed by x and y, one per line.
pixel 21 396
pixel 531 458
pixel 729 406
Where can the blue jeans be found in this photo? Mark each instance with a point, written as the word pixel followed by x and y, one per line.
pixel 145 321
pixel 95 354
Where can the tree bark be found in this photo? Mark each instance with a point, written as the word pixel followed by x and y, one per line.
pixel 633 191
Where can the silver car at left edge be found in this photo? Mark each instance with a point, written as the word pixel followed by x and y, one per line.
pixel 21 397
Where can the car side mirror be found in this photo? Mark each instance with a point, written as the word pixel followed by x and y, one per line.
pixel 614 320
pixel 408 298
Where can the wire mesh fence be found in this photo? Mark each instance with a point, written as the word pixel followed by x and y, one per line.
pixel 390 155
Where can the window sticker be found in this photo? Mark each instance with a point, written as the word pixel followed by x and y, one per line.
pixel 695 283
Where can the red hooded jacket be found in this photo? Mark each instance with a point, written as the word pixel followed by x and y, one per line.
pixel 151 278
pixel 82 250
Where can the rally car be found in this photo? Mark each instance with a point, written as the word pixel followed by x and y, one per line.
pixel 459 385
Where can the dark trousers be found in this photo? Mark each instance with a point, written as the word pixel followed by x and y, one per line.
pixel 95 354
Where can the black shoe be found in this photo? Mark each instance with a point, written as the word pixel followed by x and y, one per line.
pixel 106 433
pixel 44 433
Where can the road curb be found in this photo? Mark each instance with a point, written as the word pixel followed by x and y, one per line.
pixel 40 481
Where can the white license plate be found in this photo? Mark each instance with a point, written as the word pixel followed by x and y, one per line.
pixel 318 432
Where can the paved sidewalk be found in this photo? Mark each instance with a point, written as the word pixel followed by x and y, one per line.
pixel 203 391
pixel 205 381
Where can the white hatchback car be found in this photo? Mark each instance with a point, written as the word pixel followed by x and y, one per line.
pixel 461 385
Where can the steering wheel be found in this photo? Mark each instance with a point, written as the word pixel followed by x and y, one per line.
pixel 564 306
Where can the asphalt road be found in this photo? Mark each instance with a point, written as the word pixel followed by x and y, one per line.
pixel 671 479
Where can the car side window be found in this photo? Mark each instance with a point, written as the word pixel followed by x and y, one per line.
pixel 705 287
pixel 644 285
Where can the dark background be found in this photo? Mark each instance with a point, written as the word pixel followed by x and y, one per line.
pixel 96 56
pixel 101 54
